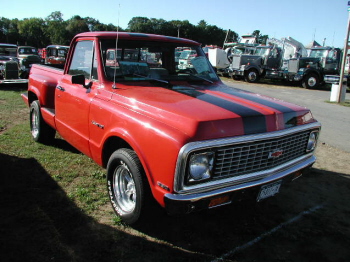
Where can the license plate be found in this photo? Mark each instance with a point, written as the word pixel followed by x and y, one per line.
pixel 269 190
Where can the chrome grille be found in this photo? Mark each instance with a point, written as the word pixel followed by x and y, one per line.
pixel 293 65
pixel 240 159
pixel 236 62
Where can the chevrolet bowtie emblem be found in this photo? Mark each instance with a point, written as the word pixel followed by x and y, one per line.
pixel 275 154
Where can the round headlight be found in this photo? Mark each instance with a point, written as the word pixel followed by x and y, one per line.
pixel 200 166
pixel 311 144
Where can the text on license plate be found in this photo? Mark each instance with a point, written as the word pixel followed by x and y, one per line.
pixel 269 190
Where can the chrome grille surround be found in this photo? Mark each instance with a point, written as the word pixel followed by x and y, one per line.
pixel 236 62
pixel 255 156
pixel 244 159
pixel 293 65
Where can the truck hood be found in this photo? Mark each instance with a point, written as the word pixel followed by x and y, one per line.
pixel 308 61
pixel 217 111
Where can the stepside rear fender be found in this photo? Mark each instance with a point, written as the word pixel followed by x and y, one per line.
pixel 42 83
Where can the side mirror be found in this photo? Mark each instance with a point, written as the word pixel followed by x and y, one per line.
pixel 78 79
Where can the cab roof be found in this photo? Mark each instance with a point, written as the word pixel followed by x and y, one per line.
pixel 58 46
pixel 136 36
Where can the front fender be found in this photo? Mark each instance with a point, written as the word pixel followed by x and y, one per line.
pixel 308 71
pixel 156 144
pixel 253 66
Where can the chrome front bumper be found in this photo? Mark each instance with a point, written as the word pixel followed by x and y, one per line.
pixel 186 203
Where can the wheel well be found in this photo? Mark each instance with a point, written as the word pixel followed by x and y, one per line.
pixel 111 145
pixel 253 68
pixel 114 143
pixel 314 72
pixel 31 97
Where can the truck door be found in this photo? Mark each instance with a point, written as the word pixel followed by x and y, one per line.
pixel 72 101
pixel 332 62
pixel 274 59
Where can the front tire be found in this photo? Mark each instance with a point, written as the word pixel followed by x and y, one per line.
pixel 41 132
pixel 252 76
pixel 126 186
pixel 311 80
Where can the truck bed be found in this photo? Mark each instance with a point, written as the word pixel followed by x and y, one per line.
pixel 46 77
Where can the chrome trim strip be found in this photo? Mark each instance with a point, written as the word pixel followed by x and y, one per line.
pixel 187 149
pixel 13 81
pixel 228 189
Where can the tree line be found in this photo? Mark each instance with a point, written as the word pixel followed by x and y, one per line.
pixel 54 29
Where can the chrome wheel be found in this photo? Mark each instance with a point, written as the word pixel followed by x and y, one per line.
pixel 40 130
pixel 126 185
pixel 34 123
pixel 312 81
pixel 252 76
pixel 124 189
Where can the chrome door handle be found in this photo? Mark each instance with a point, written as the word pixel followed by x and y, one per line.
pixel 60 88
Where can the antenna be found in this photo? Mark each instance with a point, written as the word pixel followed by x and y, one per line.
pixel 114 86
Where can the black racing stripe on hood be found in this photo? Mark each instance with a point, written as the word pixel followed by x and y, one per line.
pixel 289 115
pixel 253 121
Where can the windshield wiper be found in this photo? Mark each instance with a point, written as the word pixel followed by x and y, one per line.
pixel 200 77
pixel 151 78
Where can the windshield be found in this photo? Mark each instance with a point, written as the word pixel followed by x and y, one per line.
pixel 57 52
pixel 261 51
pixel 238 51
pixel 27 51
pixel 163 61
pixel 316 53
pixel 8 51
pixel 62 52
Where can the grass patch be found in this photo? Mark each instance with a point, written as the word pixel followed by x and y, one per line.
pixel 83 180
pixel 345 103
pixel 54 203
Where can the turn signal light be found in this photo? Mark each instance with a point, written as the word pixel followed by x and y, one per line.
pixel 219 201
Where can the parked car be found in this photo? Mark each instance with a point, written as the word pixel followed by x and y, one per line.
pixel 9 64
pixel 27 55
pixel 56 54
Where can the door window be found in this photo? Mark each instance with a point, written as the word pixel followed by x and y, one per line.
pixel 82 61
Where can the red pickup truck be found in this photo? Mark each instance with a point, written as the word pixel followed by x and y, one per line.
pixel 164 130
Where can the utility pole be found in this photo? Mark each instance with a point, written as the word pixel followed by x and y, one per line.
pixel 228 31
pixel 345 54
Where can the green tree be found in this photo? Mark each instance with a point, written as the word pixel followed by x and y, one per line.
pixel 232 36
pixel 108 27
pixel 9 30
pixel 76 25
pixel 139 24
pixel 56 29
pixel 32 31
pixel 182 29
pixel 209 34
pixel 261 39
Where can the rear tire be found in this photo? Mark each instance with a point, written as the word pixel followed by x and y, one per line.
pixel 41 132
pixel 126 185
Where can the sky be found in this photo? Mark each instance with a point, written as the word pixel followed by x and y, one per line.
pixel 325 21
